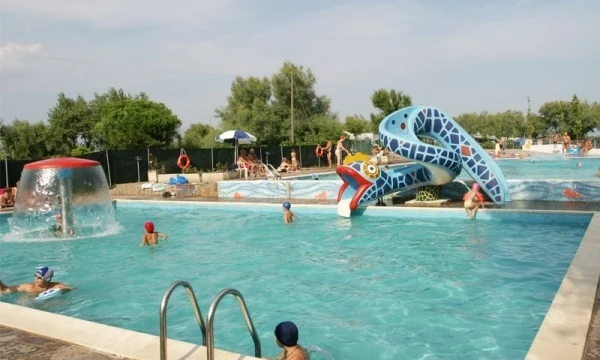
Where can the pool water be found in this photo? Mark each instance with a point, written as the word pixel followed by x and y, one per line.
pixel 371 287
pixel 542 168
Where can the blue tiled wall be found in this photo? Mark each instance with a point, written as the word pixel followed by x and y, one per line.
pixel 532 190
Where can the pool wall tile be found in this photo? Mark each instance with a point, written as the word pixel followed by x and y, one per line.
pixel 529 190
pixel 258 189
pixel 315 189
pixel 390 212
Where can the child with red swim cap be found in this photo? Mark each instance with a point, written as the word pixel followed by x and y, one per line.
pixel 473 200
pixel 150 238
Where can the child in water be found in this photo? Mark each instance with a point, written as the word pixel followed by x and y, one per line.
pixel 150 238
pixel 473 200
pixel 288 215
pixel 58 228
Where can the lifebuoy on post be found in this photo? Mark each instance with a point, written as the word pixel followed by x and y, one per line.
pixel 319 151
pixel 184 162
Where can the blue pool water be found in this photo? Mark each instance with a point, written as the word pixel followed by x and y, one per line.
pixel 409 286
pixel 542 168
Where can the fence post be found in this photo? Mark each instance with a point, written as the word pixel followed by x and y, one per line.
pixel 260 151
pixel 212 160
pixel 300 155
pixel 281 147
pixel 108 168
pixel 6 169
pixel 148 158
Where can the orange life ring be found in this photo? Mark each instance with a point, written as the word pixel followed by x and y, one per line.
pixel 319 151
pixel 181 164
pixel 480 197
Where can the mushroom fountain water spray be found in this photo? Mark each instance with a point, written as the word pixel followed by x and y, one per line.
pixel 67 193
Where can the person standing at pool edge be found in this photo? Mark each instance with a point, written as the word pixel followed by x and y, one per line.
pixel 43 277
pixel 286 337
pixel 288 215
pixel 473 200
pixel 150 238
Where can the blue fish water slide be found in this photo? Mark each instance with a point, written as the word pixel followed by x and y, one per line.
pixel 435 165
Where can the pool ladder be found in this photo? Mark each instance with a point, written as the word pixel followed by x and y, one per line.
pixel 207 331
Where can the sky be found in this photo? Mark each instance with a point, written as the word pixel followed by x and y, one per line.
pixel 457 55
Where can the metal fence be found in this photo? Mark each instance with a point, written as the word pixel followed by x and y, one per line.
pixel 127 166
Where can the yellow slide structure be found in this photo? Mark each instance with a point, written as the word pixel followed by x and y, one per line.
pixel 356 157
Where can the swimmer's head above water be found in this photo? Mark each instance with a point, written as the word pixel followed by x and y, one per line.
pixel 44 274
pixel 287 205
pixel 476 186
pixel 286 333
pixel 149 226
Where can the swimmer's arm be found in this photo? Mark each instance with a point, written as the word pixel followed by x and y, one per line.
pixel 7 289
pixel 144 241
pixel 64 287
pixel 164 236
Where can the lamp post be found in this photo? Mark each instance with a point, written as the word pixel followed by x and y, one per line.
pixel 138 159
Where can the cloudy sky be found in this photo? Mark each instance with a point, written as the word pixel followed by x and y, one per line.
pixel 458 55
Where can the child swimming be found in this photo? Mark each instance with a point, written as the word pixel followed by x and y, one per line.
pixel 288 215
pixel 150 238
pixel 473 200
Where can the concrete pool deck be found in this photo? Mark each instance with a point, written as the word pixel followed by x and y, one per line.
pixel 570 330
pixel 17 344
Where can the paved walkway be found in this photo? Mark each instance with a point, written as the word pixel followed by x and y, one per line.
pixel 592 349
pixel 21 345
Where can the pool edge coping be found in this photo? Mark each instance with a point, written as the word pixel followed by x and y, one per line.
pixel 103 338
pixel 564 331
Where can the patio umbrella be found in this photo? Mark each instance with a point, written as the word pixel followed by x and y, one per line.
pixel 235 137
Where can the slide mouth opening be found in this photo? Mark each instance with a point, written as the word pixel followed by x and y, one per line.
pixel 353 188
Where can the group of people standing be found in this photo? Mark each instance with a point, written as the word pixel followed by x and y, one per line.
pixel 339 149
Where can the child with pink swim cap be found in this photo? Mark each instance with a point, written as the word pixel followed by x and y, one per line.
pixel 473 200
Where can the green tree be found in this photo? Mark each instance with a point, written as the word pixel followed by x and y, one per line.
pixel 80 150
pixel 195 135
pixel 554 116
pixel 470 122
pixel 387 101
pixel 308 105
pixel 356 124
pixel 509 123
pixel 590 116
pixel 324 128
pixel 262 107
pixel 23 140
pixel 248 109
pixel 136 122
pixel 70 123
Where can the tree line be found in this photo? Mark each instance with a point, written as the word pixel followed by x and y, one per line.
pixel 264 107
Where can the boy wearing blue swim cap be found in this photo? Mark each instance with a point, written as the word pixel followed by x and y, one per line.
pixel 288 215
pixel 43 277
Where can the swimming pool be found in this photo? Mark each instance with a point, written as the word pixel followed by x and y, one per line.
pixel 371 287
pixel 531 168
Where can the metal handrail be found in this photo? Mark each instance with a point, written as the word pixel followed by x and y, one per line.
pixel 210 347
pixel 163 315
